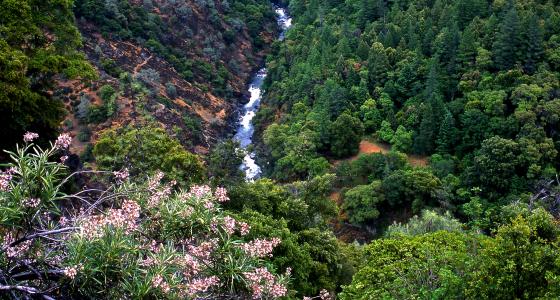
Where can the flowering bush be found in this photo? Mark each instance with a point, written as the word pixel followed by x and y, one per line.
pixel 128 240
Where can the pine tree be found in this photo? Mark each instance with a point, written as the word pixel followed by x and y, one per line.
pixel 533 44
pixel 447 134
pixel 431 113
pixel 378 64
pixel 506 48
pixel 468 9
pixel 369 11
pixel 466 56
pixel 424 139
pixel 363 50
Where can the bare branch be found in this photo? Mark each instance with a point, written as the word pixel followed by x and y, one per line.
pixel 36 235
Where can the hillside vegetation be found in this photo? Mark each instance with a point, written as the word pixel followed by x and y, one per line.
pixel 471 83
pixel 409 148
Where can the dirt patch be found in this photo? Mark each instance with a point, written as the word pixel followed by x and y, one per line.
pixel 368 147
pixel 142 64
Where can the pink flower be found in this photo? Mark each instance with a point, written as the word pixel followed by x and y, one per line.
pixel 221 194
pixel 159 282
pixel 154 182
pixel 260 247
pixel 30 136
pixel 31 202
pixel 199 191
pixel 204 250
pixel 121 175
pixel 63 158
pixel 324 294
pixel 126 217
pixel 71 272
pixel 63 141
pixel 244 228
pixel 5 178
pixel 158 196
pixel 278 290
pixel 18 250
pixel 263 283
pixel 202 285
pixel 190 264
pixel 229 225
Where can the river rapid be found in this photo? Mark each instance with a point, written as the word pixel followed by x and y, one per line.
pixel 245 129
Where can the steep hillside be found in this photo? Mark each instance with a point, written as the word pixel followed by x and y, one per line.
pixel 184 64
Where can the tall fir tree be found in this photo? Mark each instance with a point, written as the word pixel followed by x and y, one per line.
pixel 447 134
pixel 533 43
pixel 378 64
pixel 431 113
pixel 466 56
pixel 469 9
pixel 507 45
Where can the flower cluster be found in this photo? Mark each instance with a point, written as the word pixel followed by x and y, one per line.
pixel 31 202
pixel 71 272
pixel 125 218
pixel 243 228
pixel 190 265
pixel 121 175
pixel 5 178
pixel 221 194
pixel 201 285
pixel 199 191
pixel 262 283
pixel 323 295
pixel 260 247
pixel 230 225
pixel 15 251
pixel 155 181
pixel 159 282
pixel 204 250
pixel 63 141
pixel 30 137
pixel 158 192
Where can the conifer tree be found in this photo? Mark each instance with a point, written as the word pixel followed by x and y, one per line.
pixel 533 40
pixel 378 65
pixel 447 134
pixel 431 113
pixel 506 47
pixel 466 56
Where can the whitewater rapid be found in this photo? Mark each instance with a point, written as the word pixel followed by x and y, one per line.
pixel 245 129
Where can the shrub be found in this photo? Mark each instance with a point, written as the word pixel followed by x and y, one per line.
pixel 152 243
pixel 106 92
pixel 146 150
pixel 84 135
pixel 149 77
pixel 171 90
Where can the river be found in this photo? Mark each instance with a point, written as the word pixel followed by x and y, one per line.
pixel 245 129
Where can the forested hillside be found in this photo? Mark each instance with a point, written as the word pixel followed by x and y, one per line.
pixel 409 148
pixel 472 84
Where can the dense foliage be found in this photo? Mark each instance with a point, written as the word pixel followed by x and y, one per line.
pixel 147 149
pixel 163 242
pixel 34 46
pixel 461 98
pixel 472 82
pixel 519 262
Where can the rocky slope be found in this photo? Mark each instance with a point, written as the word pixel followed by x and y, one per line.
pixel 184 64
